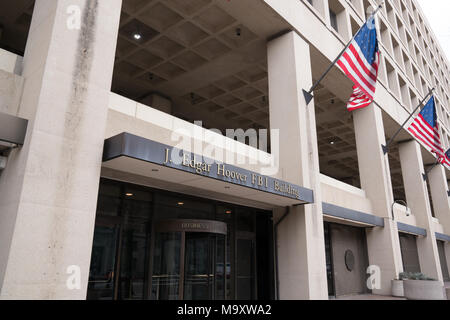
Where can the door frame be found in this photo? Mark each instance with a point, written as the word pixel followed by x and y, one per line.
pixel 250 236
pixel 184 226
pixel 117 224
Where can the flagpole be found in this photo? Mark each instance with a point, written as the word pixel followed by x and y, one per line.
pixel 308 94
pixel 386 147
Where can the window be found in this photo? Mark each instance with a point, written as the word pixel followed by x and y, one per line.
pixel 333 20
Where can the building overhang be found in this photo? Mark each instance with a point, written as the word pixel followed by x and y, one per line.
pixel 12 129
pixel 409 229
pixel 334 213
pixel 442 237
pixel 143 157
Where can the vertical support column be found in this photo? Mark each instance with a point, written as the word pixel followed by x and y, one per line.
pixel 300 243
pixel 48 192
pixel 438 189
pixel 382 243
pixel 447 254
pixel 417 199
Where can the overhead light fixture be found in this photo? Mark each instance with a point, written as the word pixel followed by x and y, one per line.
pixel 137 36
pixel 228 211
pixel 180 203
pixel 332 143
pixel 129 194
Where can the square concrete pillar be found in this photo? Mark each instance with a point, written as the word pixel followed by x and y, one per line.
pixel 438 189
pixel 447 256
pixel 48 192
pixel 300 243
pixel 417 199
pixel 382 243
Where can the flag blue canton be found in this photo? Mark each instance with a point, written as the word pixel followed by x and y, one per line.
pixel 367 41
pixel 448 153
pixel 429 113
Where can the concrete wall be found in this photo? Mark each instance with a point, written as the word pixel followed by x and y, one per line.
pixel 126 115
pixel 11 82
pixel 48 191
pixel 344 195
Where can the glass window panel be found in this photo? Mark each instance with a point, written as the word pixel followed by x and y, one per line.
pixel 244 270
pixel 101 273
pixel 166 266
pixel 133 261
pixel 245 220
pixel 108 203
pixel 220 267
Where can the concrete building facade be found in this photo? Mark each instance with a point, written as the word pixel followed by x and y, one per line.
pixel 111 188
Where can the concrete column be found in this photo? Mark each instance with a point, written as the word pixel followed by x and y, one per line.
pixel 301 247
pixel 382 243
pixel 447 255
pixel 438 189
pixel 417 199
pixel 48 192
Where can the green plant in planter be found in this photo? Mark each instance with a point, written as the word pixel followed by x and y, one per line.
pixel 415 276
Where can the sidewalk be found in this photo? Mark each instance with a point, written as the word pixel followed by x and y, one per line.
pixel 375 297
pixel 367 297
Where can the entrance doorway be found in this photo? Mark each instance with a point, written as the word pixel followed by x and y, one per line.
pixel 154 244
pixel 347 259
pixel 189 260
pixel 410 254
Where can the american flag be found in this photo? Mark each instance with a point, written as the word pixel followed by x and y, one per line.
pixel 446 160
pixel 426 129
pixel 360 63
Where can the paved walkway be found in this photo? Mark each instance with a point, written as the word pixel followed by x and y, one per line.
pixel 368 297
pixel 375 297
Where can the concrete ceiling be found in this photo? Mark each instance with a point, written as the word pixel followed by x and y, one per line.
pixel 200 54
pixel 209 58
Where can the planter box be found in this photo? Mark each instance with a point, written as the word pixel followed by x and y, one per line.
pixel 397 288
pixel 423 290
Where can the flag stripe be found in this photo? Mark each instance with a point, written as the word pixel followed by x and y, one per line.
pixel 360 73
pixel 358 100
pixel 426 129
pixel 431 139
pixel 355 52
pixel 430 130
pixel 353 76
pixel 426 145
pixel 360 62
pixel 418 134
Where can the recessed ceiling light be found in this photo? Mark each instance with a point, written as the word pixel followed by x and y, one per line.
pixel 228 212
pixel 180 203
pixel 137 36
pixel 332 142
pixel 129 194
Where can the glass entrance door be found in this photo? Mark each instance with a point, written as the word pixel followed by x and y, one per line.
pixel 189 260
